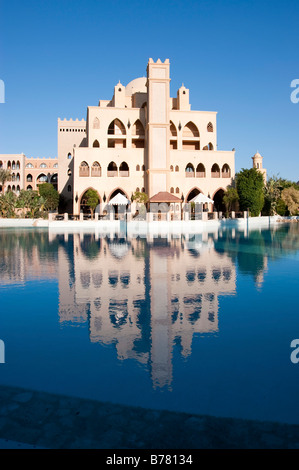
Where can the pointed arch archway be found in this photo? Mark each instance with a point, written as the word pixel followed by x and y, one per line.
pixel 217 197
pixel 114 193
pixel 192 193
pixel 82 200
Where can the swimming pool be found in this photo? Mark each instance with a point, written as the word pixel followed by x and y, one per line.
pixel 196 323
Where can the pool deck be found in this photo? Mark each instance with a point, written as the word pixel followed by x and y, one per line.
pixel 143 228
pixel 38 420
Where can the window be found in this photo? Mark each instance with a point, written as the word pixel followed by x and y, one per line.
pixel 96 123
pixel 43 165
pixel 29 165
pixel 69 156
pixel 96 144
pixel 84 169
pixel 210 127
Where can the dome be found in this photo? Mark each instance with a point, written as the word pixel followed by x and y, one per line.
pixel 257 155
pixel 138 85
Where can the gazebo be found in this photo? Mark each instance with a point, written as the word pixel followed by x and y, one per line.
pixel 165 199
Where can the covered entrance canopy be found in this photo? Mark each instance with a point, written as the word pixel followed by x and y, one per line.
pixel 202 199
pixel 119 200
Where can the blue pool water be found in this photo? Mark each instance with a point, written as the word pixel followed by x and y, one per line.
pixel 200 324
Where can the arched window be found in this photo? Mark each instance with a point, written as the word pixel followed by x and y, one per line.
pixel 96 123
pixel 172 190
pixel 13 165
pixel 191 137
pixel 84 169
pixel 177 190
pixel 29 165
pixel 171 167
pixel 9 164
pixel 18 189
pixel 69 156
pixel 210 127
pixel 210 146
pixel 18 177
pixel 29 188
pixel 137 190
pixel 18 165
pixel 173 131
pixel 43 165
pixel 200 171
pixel 177 168
pixel 42 178
pixel 137 167
pixel 112 169
pixel 124 169
pixel 55 165
pixel 215 172
pixel 96 169
pixel 96 144
pixel 116 127
pixel 13 188
pixel 13 177
pixel 143 168
pixel 189 171
pixel 225 172
pixel 29 178
pixel 190 130
pixel 138 128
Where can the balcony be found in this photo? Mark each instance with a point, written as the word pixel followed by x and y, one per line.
pixel 96 171
pixel 84 171
pixel 112 173
pixel 200 174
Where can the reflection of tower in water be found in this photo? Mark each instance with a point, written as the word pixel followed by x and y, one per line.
pixel 144 298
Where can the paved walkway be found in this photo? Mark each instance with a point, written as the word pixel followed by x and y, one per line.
pixel 30 419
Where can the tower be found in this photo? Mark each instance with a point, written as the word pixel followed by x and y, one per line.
pixel 258 164
pixel 158 126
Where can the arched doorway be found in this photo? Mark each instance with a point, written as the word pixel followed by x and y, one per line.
pixel 84 206
pixel 194 192
pixel 118 209
pixel 219 205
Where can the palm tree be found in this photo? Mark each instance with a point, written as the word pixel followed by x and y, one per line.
pixel 5 175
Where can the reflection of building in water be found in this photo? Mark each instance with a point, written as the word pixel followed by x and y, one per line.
pixel 144 298
pixel 22 259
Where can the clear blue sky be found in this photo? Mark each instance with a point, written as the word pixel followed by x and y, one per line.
pixel 237 57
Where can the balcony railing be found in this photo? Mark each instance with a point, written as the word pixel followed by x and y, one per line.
pixel 225 174
pixel 112 173
pixel 95 171
pixel 84 171
pixel 123 173
pixel 200 174
pixel 189 174
pixel 215 174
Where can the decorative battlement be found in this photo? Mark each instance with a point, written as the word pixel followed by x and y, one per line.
pixel 151 61
pixel 71 121
pixel 41 158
